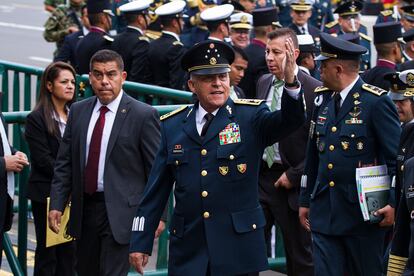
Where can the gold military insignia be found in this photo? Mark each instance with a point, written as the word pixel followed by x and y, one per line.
pixel 242 167
pixel 408 94
pixel 355 95
pixel 123 110
pixel 82 86
pixel 410 79
pixel 356 112
pixel 321 89
pixel 248 101
pixel 373 89
pixel 356 102
pixel 213 61
pixel 345 145
pixel 331 24
pixel 243 19
pixel 364 36
pixel 386 12
pixel 360 145
pixel 175 43
pixel 144 38
pixel 223 170
pixel 168 115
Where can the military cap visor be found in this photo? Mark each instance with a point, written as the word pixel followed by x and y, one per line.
pixel 241 20
pixel 208 58
pixel 137 6
pixel 408 12
pixel 217 13
pixel 408 35
pixel 336 48
pixel 349 8
pixel 97 6
pixel 397 86
pixel 171 9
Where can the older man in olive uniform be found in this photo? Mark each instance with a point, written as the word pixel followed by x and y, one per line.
pixel 212 152
pixel 355 126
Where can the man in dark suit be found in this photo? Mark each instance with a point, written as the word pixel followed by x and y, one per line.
pixel 355 126
pixel 212 151
pixel 301 12
pixel 102 166
pixel 237 70
pixel 11 161
pixel 262 24
pixel 387 38
pixel 165 52
pixel 99 14
pixel 283 162
pixel 131 44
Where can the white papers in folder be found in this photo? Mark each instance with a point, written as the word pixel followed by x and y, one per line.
pixel 373 185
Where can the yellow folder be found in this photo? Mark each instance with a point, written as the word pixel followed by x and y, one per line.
pixel 51 237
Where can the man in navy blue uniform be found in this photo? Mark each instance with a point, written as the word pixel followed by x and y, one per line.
pixel 212 152
pixel 349 21
pixel 387 37
pixel 355 126
pixel 99 13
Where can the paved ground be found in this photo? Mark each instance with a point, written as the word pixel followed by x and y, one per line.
pixel 31 239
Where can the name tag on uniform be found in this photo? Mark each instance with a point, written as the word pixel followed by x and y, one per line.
pixel 353 121
pixel 230 134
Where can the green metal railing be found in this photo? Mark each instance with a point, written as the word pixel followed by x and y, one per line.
pixel 23 83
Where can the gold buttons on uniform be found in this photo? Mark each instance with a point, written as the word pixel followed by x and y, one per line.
pixel 204 193
pixel 203 172
pixel 231 157
pixel 177 162
pixel 330 166
pixel 331 183
pixel 174 231
pixel 206 215
pixel 331 147
pixel 402 167
pixel 333 129
pixel 203 152
pixel 254 226
pixel 352 135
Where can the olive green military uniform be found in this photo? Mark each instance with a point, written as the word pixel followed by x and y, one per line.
pixel 56 26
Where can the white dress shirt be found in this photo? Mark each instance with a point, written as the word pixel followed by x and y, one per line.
pixel 136 28
pixel 200 120
pixel 109 122
pixel 346 90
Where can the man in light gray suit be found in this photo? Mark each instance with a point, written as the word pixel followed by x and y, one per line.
pixel 102 167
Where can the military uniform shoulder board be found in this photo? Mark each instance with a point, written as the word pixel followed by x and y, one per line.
pixel 248 101
pixel 144 38
pixel 107 37
pixel 331 24
pixel 152 35
pixel 177 43
pixel 364 36
pixel 373 89
pixel 386 13
pixel 172 113
pixel 320 89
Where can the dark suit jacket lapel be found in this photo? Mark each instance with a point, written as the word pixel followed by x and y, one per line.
pixel 220 121
pixel 189 124
pixel 84 124
pixel 348 103
pixel 264 88
pixel 120 116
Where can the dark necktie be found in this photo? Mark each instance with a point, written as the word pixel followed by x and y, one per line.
pixel 209 117
pixel 337 99
pixel 92 165
pixel 303 30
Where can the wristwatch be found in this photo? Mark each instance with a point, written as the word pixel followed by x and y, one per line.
pixel 295 83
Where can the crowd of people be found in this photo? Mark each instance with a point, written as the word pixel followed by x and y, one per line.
pixel 287 106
